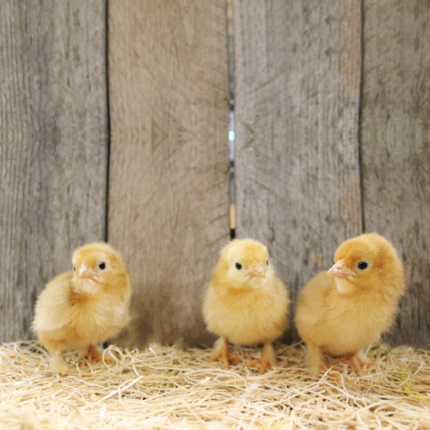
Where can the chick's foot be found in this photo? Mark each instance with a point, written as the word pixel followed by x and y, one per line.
pixel 94 354
pixel 221 353
pixel 333 370
pixel 267 359
pixel 355 360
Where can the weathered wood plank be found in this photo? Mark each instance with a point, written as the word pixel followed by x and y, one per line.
pixel 168 193
pixel 53 146
pixel 396 147
pixel 297 103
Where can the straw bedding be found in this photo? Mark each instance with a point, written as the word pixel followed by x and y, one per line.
pixel 163 388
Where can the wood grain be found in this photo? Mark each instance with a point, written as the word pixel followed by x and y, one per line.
pixel 53 146
pixel 396 147
pixel 297 103
pixel 168 193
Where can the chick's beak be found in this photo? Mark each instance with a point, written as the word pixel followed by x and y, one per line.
pixel 85 272
pixel 258 271
pixel 338 271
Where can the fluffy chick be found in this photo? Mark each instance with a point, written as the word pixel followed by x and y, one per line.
pixel 83 307
pixel 342 311
pixel 246 303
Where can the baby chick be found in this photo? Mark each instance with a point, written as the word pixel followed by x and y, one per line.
pixel 246 303
pixel 83 307
pixel 344 310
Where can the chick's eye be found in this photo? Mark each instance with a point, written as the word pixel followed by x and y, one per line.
pixel 362 265
pixel 238 266
pixel 267 262
pixel 102 265
pixel 74 268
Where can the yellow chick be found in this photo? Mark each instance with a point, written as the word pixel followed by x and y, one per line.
pixel 246 303
pixel 83 307
pixel 342 311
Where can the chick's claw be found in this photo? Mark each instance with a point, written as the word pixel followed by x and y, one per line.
pixel 222 353
pixel 226 358
pixel 235 357
pixel 333 371
pixel 264 365
pixel 92 353
pixel 267 359
pixel 327 366
pixel 355 361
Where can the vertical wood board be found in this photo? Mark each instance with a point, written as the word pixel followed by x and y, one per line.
pixel 53 147
pixel 297 103
pixel 168 193
pixel 396 147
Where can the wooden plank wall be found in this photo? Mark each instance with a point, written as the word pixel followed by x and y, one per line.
pixel 303 118
pixel 53 146
pixel 396 146
pixel 168 183
pixel 332 138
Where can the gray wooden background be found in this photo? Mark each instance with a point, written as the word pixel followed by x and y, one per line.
pixel 114 122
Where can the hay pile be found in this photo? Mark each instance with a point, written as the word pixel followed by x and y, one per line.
pixel 164 388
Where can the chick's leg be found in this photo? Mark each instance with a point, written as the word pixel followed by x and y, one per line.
pixel 267 359
pixel 58 363
pixel 221 352
pixel 316 362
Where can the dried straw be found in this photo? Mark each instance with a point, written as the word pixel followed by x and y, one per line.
pixel 164 388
